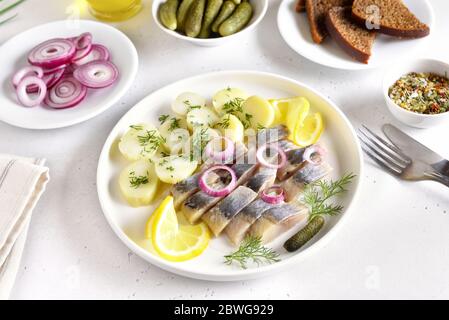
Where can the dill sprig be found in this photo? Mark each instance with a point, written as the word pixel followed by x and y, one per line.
pixel 317 194
pixel 174 124
pixel 199 143
pixel 224 124
pixel 137 181
pixel 163 118
pixel 234 106
pixel 252 249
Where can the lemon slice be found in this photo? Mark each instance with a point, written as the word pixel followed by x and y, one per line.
pixel 309 131
pixel 280 107
pixel 176 241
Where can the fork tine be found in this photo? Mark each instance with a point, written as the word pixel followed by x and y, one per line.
pixel 380 152
pixel 393 151
pixel 381 163
pixel 391 162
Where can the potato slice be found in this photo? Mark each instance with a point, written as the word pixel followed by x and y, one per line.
pixel 201 117
pixel 174 169
pixel 258 112
pixel 138 183
pixel 187 100
pixel 141 141
pixel 228 100
pixel 231 127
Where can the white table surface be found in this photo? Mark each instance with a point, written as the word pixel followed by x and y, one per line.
pixel 394 246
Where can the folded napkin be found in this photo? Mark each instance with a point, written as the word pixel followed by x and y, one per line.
pixel 22 182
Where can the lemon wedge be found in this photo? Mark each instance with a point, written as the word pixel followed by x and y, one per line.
pixel 280 107
pixel 309 130
pixel 173 240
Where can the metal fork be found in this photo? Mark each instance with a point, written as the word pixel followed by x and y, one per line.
pixel 395 160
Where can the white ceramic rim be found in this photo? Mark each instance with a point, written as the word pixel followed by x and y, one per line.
pixel 233 275
pixel 154 11
pixel 117 95
pixel 387 84
pixel 355 67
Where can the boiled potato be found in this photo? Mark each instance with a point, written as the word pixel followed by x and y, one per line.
pixel 186 101
pixel 201 117
pixel 173 169
pixel 258 112
pixel 229 100
pixel 231 127
pixel 177 140
pixel 141 141
pixel 138 183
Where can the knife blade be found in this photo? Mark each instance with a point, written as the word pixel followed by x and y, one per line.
pixel 414 149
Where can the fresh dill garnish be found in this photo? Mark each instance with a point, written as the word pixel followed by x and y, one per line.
pixel 163 118
pixel 234 106
pixel 136 181
pixel 174 124
pixel 199 142
pixel 151 140
pixel 252 249
pixel 164 154
pixel 224 124
pixel 317 194
pixel 260 127
pixel 170 168
pixel 136 127
pixel 190 106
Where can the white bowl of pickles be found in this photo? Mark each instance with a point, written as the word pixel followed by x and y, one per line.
pixel 417 92
pixel 208 23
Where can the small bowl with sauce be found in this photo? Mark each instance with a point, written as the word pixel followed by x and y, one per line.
pixel 417 92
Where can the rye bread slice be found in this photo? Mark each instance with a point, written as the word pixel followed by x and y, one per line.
pixel 355 40
pixel 300 6
pixel 393 18
pixel 316 13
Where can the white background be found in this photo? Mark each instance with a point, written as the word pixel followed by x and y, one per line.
pixel 396 244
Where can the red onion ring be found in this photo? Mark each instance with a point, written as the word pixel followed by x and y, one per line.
pixel 24 97
pixel 220 192
pixel 98 52
pixel 220 156
pixel 310 152
pixel 49 79
pixel 68 92
pixel 97 74
pixel 27 72
pixel 52 53
pixel 276 198
pixel 264 162
pixel 57 69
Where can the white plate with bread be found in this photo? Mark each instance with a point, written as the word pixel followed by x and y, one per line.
pixel 356 34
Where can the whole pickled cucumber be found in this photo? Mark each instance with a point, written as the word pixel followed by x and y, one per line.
pixel 167 14
pixel 305 234
pixel 194 18
pixel 227 9
pixel 212 10
pixel 237 21
pixel 182 13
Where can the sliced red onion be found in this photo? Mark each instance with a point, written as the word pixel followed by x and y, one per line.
pixel 52 53
pixel 273 195
pixel 222 156
pixel 32 71
pixel 83 41
pixel 68 92
pixel 57 69
pixel 24 97
pixel 98 52
pixel 97 74
pixel 49 79
pixel 217 192
pixel 261 156
pixel 314 154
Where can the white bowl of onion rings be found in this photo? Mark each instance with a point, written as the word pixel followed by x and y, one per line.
pixel 59 74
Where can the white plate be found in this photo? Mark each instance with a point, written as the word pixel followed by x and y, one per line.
pixel 129 223
pixel 13 56
pixel 294 28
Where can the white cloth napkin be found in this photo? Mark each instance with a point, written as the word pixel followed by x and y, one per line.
pixel 22 182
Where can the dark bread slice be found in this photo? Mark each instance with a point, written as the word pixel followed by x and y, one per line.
pixel 316 13
pixel 352 38
pixel 395 19
pixel 300 6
